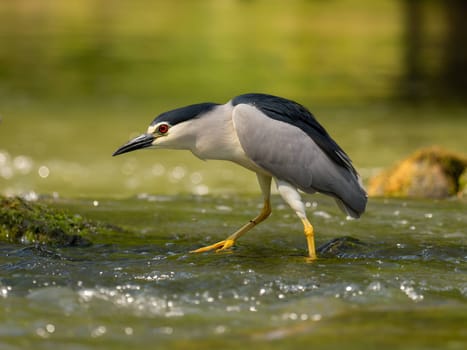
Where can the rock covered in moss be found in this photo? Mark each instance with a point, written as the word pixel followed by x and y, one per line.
pixel 30 222
pixel 463 183
pixel 428 173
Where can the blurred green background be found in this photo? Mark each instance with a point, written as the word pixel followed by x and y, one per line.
pixel 79 78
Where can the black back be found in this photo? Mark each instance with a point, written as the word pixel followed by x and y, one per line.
pixel 291 112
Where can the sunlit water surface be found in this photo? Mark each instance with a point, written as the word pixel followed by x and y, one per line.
pixel 403 284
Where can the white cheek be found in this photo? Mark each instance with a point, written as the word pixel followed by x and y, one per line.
pixel 166 139
pixel 178 137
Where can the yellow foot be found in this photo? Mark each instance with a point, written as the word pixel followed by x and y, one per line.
pixel 311 259
pixel 218 247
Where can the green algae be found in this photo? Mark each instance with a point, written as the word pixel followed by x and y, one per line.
pixel 27 222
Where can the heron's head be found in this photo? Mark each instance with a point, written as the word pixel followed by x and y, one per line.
pixel 173 129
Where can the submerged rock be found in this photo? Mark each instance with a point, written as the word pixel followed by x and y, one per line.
pixel 30 222
pixel 428 173
pixel 343 247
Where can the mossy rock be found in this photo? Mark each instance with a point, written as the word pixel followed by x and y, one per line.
pixel 428 173
pixel 463 183
pixel 31 222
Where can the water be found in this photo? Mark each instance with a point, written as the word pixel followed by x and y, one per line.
pixel 403 284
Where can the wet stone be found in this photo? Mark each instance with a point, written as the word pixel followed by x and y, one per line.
pixel 343 247
pixel 35 223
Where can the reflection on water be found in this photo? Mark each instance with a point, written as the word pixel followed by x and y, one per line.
pixel 23 173
pixel 11 166
pixel 403 272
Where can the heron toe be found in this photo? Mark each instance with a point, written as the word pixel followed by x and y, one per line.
pixel 218 247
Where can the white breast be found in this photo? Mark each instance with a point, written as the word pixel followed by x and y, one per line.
pixel 217 138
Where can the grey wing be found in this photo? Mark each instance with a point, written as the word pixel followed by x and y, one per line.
pixel 289 154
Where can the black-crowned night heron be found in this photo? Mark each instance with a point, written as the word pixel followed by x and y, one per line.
pixel 272 136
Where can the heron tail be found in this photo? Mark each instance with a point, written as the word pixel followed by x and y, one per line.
pixel 353 200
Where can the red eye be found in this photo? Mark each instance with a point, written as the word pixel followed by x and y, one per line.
pixel 163 128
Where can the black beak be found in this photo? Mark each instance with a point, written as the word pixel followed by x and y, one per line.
pixel 139 142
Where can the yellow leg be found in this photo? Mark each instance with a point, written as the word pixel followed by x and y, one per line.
pixel 230 241
pixel 310 238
